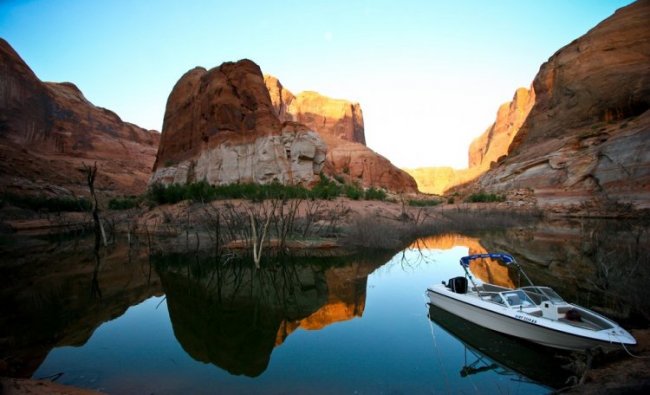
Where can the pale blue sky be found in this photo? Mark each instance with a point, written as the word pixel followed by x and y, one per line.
pixel 429 75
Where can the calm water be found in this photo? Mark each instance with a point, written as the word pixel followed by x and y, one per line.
pixel 391 346
pixel 182 324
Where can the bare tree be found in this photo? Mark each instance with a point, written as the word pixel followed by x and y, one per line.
pixel 258 240
pixel 91 173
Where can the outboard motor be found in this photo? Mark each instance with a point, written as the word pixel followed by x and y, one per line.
pixel 458 285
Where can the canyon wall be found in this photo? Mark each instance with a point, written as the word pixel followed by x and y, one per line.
pixel 577 142
pixel 49 130
pixel 584 148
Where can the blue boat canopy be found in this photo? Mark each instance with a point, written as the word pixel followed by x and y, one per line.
pixel 505 258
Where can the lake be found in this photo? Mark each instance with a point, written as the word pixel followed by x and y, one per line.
pixel 184 323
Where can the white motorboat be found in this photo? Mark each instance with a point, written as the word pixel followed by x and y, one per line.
pixel 534 313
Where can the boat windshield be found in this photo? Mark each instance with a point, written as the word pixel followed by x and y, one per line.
pixel 517 298
pixel 543 294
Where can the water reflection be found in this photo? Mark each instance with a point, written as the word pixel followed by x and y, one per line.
pixel 277 324
pixel 58 294
pixel 486 270
pixel 486 350
pixel 234 315
pixel 604 265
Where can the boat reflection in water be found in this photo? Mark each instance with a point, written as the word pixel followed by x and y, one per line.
pixel 486 350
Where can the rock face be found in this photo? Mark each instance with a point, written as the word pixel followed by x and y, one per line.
pixel 493 144
pixel 585 145
pixel 484 152
pixel 340 124
pixel 47 130
pixel 220 126
pixel 437 180
pixel 335 118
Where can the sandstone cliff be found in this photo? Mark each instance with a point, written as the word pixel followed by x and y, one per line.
pixel 220 126
pixel 485 151
pixel 585 145
pixel 493 144
pixel 340 124
pixel 47 130
pixel 332 118
pixel 437 180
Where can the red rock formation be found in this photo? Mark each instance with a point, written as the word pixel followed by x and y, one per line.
pixel 495 141
pixel 585 145
pixel 47 130
pixel 332 118
pixel 340 124
pixel 220 126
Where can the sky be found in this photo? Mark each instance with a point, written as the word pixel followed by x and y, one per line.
pixel 429 75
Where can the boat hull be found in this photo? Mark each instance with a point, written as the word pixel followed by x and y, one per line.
pixel 513 323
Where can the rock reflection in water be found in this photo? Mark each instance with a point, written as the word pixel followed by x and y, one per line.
pixel 233 315
pixel 602 264
pixel 57 295
pixel 486 270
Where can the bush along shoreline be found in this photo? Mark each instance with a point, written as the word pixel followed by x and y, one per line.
pixel 202 191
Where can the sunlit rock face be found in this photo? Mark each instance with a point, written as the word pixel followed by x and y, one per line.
pixel 484 152
pixel 340 124
pixel 221 127
pixel 585 145
pixel 48 130
pixel 438 180
pixel 332 118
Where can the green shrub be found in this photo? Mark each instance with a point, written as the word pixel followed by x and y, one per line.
pixel 373 193
pixel 451 200
pixel 123 203
pixel 54 204
pixel 353 192
pixel 325 189
pixel 483 197
pixel 424 203
pixel 202 191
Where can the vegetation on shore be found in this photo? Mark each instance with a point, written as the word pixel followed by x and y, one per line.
pixel 484 197
pixel 48 203
pixel 202 191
